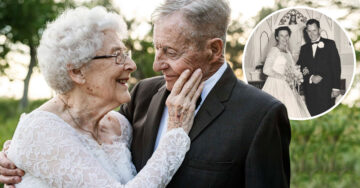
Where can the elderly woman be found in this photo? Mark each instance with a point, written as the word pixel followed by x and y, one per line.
pixel 65 142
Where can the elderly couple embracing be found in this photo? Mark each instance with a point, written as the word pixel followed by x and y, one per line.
pixel 195 126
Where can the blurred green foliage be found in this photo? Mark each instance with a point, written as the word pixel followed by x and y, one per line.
pixel 22 22
pixel 325 152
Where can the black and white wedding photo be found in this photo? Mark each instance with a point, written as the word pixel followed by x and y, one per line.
pixel 303 58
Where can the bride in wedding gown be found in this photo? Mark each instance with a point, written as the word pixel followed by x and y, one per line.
pixel 276 64
pixel 83 58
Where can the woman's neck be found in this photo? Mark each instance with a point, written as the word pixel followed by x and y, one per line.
pixel 80 111
pixel 282 48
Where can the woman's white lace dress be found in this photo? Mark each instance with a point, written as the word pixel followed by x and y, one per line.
pixel 276 85
pixel 54 154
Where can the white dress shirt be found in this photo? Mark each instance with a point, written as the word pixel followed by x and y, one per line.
pixel 314 48
pixel 209 84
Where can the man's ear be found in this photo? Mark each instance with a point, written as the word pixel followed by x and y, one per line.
pixel 215 47
pixel 76 75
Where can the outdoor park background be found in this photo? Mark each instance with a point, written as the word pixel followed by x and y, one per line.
pixel 325 152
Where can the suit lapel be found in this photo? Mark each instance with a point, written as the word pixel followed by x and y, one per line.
pixel 310 52
pixel 213 105
pixel 152 122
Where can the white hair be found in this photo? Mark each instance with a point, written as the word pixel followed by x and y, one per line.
pixel 208 18
pixel 73 39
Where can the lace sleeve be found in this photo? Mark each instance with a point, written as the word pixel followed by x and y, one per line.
pixel 162 165
pixel 126 129
pixel 274 65
pixel 49 149
pixel 165 161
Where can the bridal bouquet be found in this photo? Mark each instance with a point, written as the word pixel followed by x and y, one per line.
pixel 293 75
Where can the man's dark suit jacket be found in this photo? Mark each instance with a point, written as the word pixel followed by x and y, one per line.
pixel 240 136
pixel 326 63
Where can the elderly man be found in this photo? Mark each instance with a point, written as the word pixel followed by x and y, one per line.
pixel 240 136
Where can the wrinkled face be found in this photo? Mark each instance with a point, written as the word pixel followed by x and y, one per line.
pixel 283 37
pixel 313 31
pixel 104 78
pixel 174 52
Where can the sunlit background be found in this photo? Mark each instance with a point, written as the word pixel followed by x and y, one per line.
pixel 140 10
pixel 245 13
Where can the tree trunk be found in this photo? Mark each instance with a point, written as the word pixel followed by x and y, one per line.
pixel 24 99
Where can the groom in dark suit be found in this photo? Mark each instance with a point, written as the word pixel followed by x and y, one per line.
pixel 240 136
pixel 320 64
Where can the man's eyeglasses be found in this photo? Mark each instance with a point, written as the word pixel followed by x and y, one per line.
pixel 118 60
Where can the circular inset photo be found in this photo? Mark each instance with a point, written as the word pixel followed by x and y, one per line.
pixel 303 58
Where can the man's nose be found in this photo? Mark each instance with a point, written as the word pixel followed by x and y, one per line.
pixel 159 63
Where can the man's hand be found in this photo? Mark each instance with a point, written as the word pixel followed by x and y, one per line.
pixel 9 174
pixel 316 79
pixel 335 93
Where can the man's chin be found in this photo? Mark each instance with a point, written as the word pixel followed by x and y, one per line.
pixel 314 39
pixel 169 86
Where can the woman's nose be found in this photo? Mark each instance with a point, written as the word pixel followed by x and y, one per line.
pixel 130 65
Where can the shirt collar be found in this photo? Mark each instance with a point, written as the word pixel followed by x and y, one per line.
pixel 210 82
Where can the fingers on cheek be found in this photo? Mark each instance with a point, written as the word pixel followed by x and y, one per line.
pixel 192 108
pixel 189 87
pixel 184 75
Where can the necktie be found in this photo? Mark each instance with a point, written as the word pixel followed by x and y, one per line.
pixel 317 42
pixel 198 101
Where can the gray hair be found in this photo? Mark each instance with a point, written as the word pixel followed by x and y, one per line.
pixel 209 18
pixel 73 39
